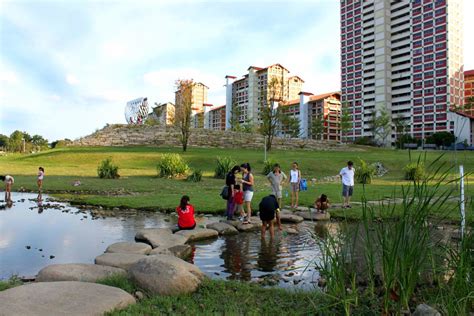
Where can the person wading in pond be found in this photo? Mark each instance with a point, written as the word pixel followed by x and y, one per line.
pixel 8 180
pixel 185 212
pixel 39 182
pixel 347 178
pixel 295 179
pixel 230 181
pixel 247 187
pixel 277 178
pixel 267 208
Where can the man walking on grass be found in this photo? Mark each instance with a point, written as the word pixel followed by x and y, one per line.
pixel 347 177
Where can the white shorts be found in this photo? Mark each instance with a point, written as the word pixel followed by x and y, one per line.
pixel 248 195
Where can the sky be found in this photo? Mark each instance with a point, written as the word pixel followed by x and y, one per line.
pixel 68 67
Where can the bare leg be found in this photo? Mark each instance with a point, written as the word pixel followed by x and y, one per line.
pixel 272 231
pixel 296 198
pixel 249 210
pixel 292 199
pixel 264 229
pixel 278 221
pixel 279 200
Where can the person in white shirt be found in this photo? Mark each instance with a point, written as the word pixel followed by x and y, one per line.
pixel 347 177
pixel 8 180
pixel 40 182
pixel 295 179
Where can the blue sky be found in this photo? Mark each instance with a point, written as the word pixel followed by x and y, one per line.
pixel 69 67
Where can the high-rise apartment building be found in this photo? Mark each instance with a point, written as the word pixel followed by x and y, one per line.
pixel 246 96
pixel 198 99
pixel 469 91
pixel 402 57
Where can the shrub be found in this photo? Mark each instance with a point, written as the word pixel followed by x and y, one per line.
pixel 364 172
pixel 171 165
pixel 268 166
pixel 107 170
pixel 224 165
pixel 414 171
pixel 365 141
pixel 441 139
pixel 195 176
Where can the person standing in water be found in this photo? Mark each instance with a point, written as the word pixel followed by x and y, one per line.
pixel 39 181
pixel 268 207
pixel 295 179
pixel 247 187
pixel 8 180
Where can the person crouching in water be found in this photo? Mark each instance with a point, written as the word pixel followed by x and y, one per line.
pixel 8 180
pixel 322 203
pixel 268 207
pixel 185 214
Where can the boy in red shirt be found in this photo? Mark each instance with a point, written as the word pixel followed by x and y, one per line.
pixel 239 201
pixel 185 214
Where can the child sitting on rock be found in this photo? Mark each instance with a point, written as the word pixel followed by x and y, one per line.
pixel 185 212
pixel 322 203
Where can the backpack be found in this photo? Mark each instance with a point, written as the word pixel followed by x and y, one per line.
pixel 225 193
pixel 303 185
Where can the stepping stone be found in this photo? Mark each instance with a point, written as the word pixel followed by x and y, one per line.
pixel 180 251
pixel 290 231
pixel 314 215
pixel 69 298
pixel 160 237
pixel 223 228
pixel 198 234
pixel 77 272
pixel 290 218
pixel 249 227
pixel 118 260
pixel 231 222
pixel 166 275
pixel 129 247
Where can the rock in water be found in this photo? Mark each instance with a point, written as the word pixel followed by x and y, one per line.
pixel 425 310
pixel 290 218
pixel 129 247
pixel 63 298
pixel 223 228
pixel 180 251
pixel 160 237
pixel 77 272
pixel 198 234
pixel 118 260
pixel 166 275
pixel 314 215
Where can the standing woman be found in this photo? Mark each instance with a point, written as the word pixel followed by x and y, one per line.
pixel 40 183
pixel 230 181
pixel 295 179
pixel 247 185
pixel 8 180
pixel 277 178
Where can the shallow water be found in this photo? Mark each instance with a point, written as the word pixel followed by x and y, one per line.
pixel 33 236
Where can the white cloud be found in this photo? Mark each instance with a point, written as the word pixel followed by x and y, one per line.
pixel 8 77
pixel 72 80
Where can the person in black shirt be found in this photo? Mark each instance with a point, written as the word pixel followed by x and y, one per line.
pixel 230 182
pixel 267 207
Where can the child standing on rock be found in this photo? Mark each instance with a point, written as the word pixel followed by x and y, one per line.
pixel 239 202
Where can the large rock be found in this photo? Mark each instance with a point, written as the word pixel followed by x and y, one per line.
pixel 290 218
pixel 138 248
pixel 62 298
pixel 425 310
pixel 223 228
pixel 77 272
pixel 118 260
pixel 180 251
pixel 166 275
pixel 313 215
pixel 160 237
pixel 254 225
pixel 198 234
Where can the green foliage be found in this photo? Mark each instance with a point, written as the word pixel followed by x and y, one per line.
pixel 119 281
pixel 268 166
pixel 346 120
pixel 107 170
pixel 365 141
pixel 224 165
pixel 441 139
pixel 291 126
pixel 39 141
pixel 3 140
pixel 11 282
pixel 364 172
pixel 414 171
pixel 61 143
pixel 380 126
pixel 171 166
pixel 195 176
pixel 317 127
pixel 15 142
pixel 406 139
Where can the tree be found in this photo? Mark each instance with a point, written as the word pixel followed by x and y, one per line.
pixel 39 141
pixel 346 120
pixel 317 127
pixel 400 125
pixel 291 125
pixel 380 126
pixel 15 143
pixel 183 110
pixel 271 114
pixel 441 139
pixel 3 140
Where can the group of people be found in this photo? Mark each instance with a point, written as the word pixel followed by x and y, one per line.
pixel 8 180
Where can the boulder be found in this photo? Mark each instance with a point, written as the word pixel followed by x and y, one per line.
pixel 118 260
pixel 77 272
pixel 138 248
pixel 198 234
pixel 63 298
pixel 291 231
pixel 231 222
pixel 180 251
pixel 249 227
pixel 290 218
pixel 166 275
pixel 314 215
pixel 223 228
pixel 425 310
pixel 160 237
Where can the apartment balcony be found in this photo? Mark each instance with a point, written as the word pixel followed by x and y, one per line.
pixel 404 67
pixel 402 74
pixel 404 27
pixel 396 51
pixel 369 59
pixel 370 81
pixel 400 83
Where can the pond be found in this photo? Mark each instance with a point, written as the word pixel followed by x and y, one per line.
pixel 34 235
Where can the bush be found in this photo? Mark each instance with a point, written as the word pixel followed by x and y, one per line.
pixel 107 170
pixel 414 171
pixel 441 139
pixel 365 141
pixel 406 139
pixel 268 166
pixel 195 176
pixel 364 172
pixel 171 165
pixel 224 165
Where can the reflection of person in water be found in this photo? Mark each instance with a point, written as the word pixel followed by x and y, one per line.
pixel 40 206
pixel 235 254
pixel 267 256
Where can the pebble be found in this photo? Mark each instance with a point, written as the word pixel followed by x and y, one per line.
pixel 139 295
pixel 28 247
pixel 52 257
pixel 40 249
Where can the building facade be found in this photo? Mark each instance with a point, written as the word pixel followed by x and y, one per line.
pixel 216 118
pixel 404 58
pixel 163 113
pixel 246 96
pixel 198 99
pixel 469 92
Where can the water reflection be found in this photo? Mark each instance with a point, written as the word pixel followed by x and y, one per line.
pixel 267 256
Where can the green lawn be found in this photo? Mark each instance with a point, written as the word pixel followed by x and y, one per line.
pixel 139 187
